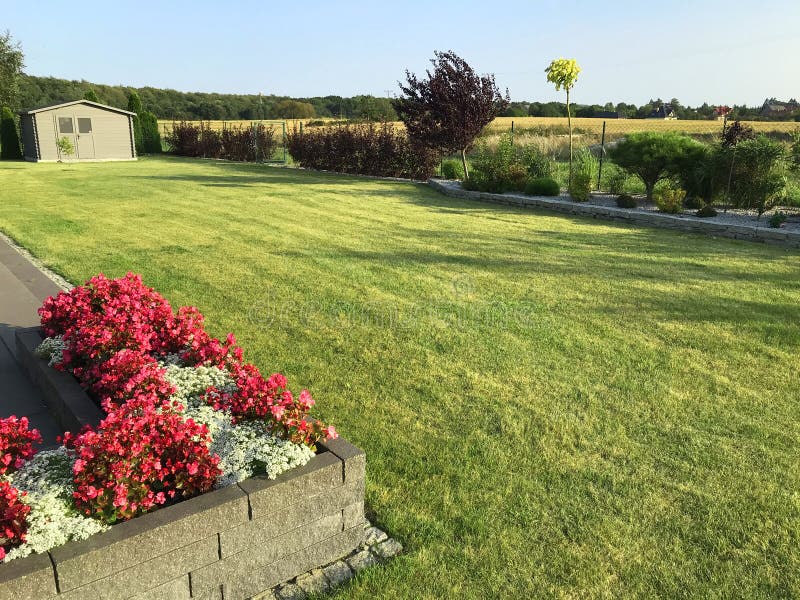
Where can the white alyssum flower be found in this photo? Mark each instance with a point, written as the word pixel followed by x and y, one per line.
pixel 51 348
pixel 192 382
pixel 53 520
pixel 247 448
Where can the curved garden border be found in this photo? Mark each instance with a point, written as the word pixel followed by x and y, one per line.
pixel 234 542
pixel 685 223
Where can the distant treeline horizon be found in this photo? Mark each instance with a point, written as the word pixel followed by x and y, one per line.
pixel 36 91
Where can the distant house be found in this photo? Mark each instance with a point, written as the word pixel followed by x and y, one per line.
pixel 773 108
pixel 96 132
pixel 664 112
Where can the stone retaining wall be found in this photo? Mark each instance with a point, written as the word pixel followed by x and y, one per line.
pixel 650 219
pixel 231 543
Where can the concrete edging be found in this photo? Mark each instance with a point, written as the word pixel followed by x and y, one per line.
pixel 234 542
pixel 687 224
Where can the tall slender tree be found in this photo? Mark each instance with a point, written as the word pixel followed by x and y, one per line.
pixel 450 107
pixel 12 60
pixel 563 72
pixel 9 139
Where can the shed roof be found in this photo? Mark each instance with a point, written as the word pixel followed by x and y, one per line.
pixel 89 102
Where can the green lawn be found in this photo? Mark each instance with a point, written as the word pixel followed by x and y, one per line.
pixel 551 406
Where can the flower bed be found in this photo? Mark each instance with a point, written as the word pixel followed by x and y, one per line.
pixel 182 415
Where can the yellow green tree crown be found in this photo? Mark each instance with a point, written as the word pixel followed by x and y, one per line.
pixel 563 72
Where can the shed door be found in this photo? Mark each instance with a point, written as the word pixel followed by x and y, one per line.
pixel 85 137
pixel 65 129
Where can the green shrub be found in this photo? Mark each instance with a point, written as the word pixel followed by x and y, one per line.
pixel 777 220
pixel 757 173
pixel 794 152
pixel 693 202
pixel 626 201
pixel 452 169
pixel 9 139
pixel 542 186
pixel 64 147
pixel 707 211
pixel 506 167
pixel 151 137
pixel 669 199
pixel 614 180
pixel 583 172
pixel 653 157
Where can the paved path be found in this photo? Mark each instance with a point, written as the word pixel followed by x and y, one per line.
pixel 23 287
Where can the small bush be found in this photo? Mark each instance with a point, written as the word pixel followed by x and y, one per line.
pixel 362 149
pixel 542 186
pixel 614 180
pixel 693 202
pixel 707 211
pixel 626 201
pixel 794 151
pixel 583 170
pixel 452 169
pixel 669 199
pixel 757 173
pixel 777 220
pixel 244 144
pixel 9 138
pixel 507 167
pixel 653 156
pixel 735 133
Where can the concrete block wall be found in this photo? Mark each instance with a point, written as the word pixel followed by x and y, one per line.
pixel 683 223
pixel 234 542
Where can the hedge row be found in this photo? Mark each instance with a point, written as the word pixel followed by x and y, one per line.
pixel 247 144
pixel 363 149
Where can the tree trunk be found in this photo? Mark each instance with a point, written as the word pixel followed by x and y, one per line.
pixel 569 126
pixel 648 187
pixel 464 162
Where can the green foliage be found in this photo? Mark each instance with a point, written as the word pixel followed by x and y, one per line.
pixel 9 138
pixel 653 156
pixel 794 150
pixel 134 102
pixel 151 137
pixel 91 96
pixel 626 201
pixel 542 186
pixel 613 179
pixel 64 147
pixel 584 172
pixel 11 64
pixel 506 167
pixel 777 220
pixel 293 109
pixel 669 199
pixel 707 211
pixel 758 173
pixel 452 169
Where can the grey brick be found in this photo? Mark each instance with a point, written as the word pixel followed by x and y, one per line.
pixel 231 568
pixel 177 589
pixel 152 535
pixel 322 553
pixel 388 549
pixel 29 578
pixel 290 591
pixel 362 560
pixel 261 530
pixel 214 593
pixel 354 514
pixel 355 461
pixel 338 573
pixel 313 582
pixel 267 496
pixel 148 574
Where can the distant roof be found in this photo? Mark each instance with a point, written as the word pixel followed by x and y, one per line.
pixel 89 102
pixel 661 112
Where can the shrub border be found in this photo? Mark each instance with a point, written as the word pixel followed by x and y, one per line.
pixel 237 541
pixel 689 224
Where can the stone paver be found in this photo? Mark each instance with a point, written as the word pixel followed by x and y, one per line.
pixel 23 287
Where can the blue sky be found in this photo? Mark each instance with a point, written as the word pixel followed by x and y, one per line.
pixel 720 52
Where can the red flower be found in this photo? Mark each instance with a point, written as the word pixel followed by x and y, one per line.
pixel 16 443
pixel 13 514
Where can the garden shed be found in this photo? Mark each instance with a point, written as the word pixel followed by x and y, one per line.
pixel 95 132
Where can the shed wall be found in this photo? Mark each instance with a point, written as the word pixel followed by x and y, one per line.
pixel 111 133
pixel 26 125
